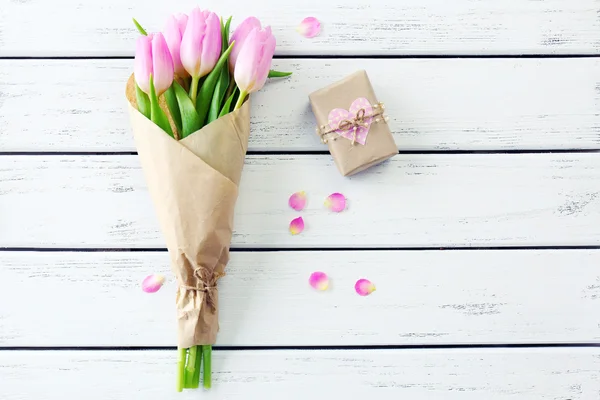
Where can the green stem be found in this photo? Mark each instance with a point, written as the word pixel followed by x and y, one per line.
pixel 190 368
pixel 198 366
pixel 181 369
pixel 206 358
pixel 241 99
pixel 194 89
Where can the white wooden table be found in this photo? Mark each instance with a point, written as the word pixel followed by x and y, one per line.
pixel 482 236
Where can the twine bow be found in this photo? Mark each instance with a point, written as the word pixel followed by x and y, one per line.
pixel 207 285
pixel 362 119
pixel 354 123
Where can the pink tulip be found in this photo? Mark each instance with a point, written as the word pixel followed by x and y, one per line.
pixel 173 32
pixel 143 62
pixel 239 35
pixel 254 60
pixel 152 56
pixel 201 43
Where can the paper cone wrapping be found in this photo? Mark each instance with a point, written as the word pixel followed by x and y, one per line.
pixel 193 184
pixel 352 158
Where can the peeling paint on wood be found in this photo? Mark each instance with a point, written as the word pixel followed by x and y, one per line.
pixel 422 298
pixel 414 200
pixel 490 374
pixel 437 104
pixel 84 28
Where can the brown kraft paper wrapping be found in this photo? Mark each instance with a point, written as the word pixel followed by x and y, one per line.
pixel 193 184
pixel 353 158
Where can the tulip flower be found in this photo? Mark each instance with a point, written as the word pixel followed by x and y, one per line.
pixel 253 62
pixel 200 46
pixel 173 33
pixel 239 36
pixel 152 57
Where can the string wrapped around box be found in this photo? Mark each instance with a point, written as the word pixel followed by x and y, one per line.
pixel 352 122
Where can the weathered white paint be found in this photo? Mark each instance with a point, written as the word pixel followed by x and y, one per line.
pixel 104 28
pixel 422 297
pixel 428 297
pixel 491 374
pixel 435 104
pixel 436 200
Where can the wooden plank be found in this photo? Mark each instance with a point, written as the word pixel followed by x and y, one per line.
pixel 422 298
pixel 490 374
pixel 413 200
pixel 349 26
pixel 434 104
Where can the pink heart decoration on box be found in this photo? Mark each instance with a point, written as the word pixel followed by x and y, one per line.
pixel 337 115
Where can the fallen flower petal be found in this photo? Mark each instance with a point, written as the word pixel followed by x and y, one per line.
pixel 298 201
pixel 364 287
pixel 152 283
pixel 309 27
pixel 336 202
pixel 319 280
pixel 296 226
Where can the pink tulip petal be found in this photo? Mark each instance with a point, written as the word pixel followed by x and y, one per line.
pixel 298 201
pixel 143 62
pixel 239 35
pixel 211 45
pixel 364 287
pixel 254 60
pixel 309 27
pixel 319 280
pixel 336 202
pixel 296 226
pixel 152 283
pixel 162 64
pixel 173 32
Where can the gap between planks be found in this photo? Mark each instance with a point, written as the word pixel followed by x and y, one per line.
pixel 312 348
pixel 292 249
pixel 340 57
pixel 304 152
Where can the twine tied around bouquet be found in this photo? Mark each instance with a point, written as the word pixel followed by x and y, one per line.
pixel 352 124
pixel 206 285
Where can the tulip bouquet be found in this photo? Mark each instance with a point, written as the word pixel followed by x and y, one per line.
pixel 190 115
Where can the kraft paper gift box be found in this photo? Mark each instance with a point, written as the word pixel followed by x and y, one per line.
pixel 351 121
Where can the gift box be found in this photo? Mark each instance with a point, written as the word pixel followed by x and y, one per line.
pixel 351 121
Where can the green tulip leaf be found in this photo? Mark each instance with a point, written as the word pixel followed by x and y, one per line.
pixel 173 107
pixel 143 102
pixel 139 27
pixel 189 116
pixel 227 106
pixel 157 115
pixel 223 82
pixel 207 90
pixel 226 31
pixel 217 100
pixel 278 74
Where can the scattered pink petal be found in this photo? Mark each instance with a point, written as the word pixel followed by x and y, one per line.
pixel 336 202
pixel 309 27
pixel 298 200
pixel 364 287
pixel 152 283
pixel 319 280
pixel 296 226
